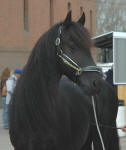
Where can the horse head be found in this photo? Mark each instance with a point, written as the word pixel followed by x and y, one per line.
pixel 73 45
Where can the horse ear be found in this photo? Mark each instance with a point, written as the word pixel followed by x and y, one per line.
pixel 82 19
pixel 67 20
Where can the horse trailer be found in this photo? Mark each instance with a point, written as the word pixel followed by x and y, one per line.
pixel 112 53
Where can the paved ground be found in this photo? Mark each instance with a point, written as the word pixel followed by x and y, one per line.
pixel 6 145
pixel 123 143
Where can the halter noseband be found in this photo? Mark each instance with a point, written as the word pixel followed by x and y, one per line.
pixel 67 60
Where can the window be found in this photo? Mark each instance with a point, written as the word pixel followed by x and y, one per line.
pixel 106 55
pixel 51 13
pixel 69 6
pixel 26 24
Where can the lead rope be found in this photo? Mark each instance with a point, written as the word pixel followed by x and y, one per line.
pixel 96 120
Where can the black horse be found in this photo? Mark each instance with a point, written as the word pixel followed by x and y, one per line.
pixel 48 112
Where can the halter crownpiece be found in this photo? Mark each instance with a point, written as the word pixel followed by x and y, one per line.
pixel 68 61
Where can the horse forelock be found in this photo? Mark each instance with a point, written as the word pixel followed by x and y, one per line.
pixel 79 35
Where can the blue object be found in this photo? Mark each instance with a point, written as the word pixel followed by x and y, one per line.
pixel 18 71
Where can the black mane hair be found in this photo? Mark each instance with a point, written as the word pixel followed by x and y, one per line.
pixel 40 73
pixel 41 117
pixel 35 94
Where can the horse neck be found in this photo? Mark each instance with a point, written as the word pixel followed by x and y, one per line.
pixel 51 80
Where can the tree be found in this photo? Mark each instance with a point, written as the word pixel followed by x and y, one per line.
pixel 111 16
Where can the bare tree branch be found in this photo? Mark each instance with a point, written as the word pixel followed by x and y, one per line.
pixel 111 15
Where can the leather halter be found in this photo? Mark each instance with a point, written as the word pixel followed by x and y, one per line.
pixel 67 60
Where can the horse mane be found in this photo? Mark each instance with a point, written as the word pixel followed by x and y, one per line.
pixel 42 115
pixel 36 90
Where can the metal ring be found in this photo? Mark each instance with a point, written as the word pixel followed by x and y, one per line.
pixel 57 42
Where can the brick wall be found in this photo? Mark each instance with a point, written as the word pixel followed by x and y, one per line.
pixel 16 43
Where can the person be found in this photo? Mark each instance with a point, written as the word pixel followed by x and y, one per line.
pixel 11 83
pixel 123 128
pixel 3 92
pixel 109 78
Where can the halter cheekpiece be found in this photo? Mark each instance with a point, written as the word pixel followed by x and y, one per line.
pixel 67 60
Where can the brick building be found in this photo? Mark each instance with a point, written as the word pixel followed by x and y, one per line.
pixel 23 21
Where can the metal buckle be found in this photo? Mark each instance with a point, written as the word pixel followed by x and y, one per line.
pixel 92 69
pixel 57 42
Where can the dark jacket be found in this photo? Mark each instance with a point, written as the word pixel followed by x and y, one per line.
pixel 109 76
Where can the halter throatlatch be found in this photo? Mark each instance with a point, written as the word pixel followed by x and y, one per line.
pixel 68 61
